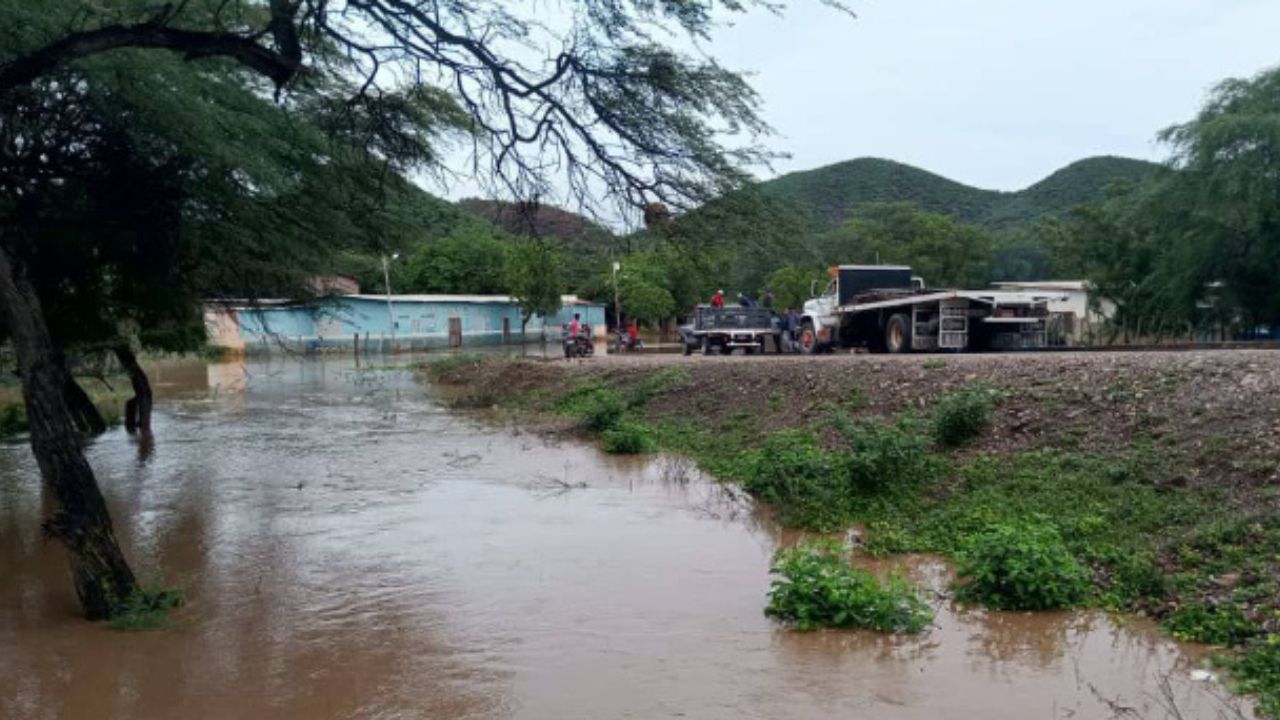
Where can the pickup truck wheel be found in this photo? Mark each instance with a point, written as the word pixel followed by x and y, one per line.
pixel 897 334
pixel 688 347
pixel 808 339
pixel 706 346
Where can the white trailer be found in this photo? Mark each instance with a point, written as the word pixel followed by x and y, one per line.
pixel 885 309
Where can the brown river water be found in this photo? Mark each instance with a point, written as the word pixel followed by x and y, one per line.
pixel 349 548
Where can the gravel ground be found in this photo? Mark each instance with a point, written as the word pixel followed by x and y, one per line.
pixel 1217 410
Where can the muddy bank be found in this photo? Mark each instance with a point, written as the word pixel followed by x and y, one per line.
pixel 1162 470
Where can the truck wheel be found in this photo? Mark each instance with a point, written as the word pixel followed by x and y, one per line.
pixel 897 334
pixel 808 339
pixel 688 347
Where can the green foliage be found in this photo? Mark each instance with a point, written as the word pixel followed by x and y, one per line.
pixel 469 260
pixel 1021 566
pixel 628 437
pixel 146 609
pixel 1257 670
pixel 532 273
pixel 962 415
pixel 819 488
pixel 791 285
pixel 440 366
pixel 829 192
pixel 599 408
pixel 817 586
pixel 1217 624
pixel 807 483
pixel 887 458
pixel 945 252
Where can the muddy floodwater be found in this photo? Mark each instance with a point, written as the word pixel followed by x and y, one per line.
pixel 349 548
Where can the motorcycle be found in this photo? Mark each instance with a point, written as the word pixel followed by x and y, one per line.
pixel 622 343
pixel 577 346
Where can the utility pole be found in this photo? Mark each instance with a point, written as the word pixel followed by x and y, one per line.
pixel 617 298
pixel 391 315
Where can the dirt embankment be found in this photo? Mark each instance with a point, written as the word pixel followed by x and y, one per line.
pixel 1217 412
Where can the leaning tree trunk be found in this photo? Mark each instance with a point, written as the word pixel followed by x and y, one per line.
pixel 137 411
pixel 102 577
pixel 84 413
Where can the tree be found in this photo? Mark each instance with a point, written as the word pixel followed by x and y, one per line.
pixel 792 285
pixel 943 251
pixel 1219 212
pixel 610 109
pixel 532 272
pixel 468 261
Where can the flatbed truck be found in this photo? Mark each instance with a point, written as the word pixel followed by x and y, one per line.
pixel 884 308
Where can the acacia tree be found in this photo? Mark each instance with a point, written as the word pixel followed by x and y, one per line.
pixel 531 270
pixel 609 109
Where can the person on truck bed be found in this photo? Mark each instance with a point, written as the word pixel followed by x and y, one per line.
pixel 717 300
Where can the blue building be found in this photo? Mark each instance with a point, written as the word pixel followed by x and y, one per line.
pixel 377 323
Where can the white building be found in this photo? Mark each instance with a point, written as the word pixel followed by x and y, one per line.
pixel 1071 317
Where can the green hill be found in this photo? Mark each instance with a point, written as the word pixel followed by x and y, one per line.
pixel 827 193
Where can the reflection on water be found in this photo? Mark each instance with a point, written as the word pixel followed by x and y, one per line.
pixel 351 550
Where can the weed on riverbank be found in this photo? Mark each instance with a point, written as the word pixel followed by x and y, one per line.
pixel 816 585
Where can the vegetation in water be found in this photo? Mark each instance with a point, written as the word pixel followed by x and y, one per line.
pixel 147 608
pixel 1020 566
pixel 628 437
pixel 816 586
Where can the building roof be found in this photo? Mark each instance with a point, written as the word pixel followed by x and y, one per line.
pixel 477 299
pixel 1045 284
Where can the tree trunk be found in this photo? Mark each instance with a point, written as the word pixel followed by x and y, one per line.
pixel 84 414
pixel 102 578
pixel 137 412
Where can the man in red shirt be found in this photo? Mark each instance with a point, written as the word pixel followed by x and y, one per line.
pixel 717 300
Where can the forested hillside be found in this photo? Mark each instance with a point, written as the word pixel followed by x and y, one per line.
pixel 829 193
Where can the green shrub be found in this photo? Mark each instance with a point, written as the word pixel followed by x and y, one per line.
pixel 1257 671
pixel 599 408
pixel 146 609
pixel 806 482
pixel 962 415
pixel 1218 625
pixel 440 366
pixel 628 437
pixel 818 587
pixel 1020 566
pixel 887 458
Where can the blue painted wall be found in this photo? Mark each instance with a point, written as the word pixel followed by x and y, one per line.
pixel 419 323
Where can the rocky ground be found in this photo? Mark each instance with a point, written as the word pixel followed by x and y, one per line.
pixel 1219 410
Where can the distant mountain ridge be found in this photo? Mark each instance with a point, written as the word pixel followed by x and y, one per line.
pixel 828 193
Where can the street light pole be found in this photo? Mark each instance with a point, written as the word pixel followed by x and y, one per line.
pixel 617 298
pixel 391 315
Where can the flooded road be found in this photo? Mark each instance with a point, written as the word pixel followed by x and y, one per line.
pixel 350 549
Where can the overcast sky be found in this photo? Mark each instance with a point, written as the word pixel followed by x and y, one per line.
pixel 993 93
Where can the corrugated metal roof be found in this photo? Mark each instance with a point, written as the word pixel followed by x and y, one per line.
pixel 502 299
pixel 1045 284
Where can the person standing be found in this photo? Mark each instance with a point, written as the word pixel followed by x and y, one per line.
pixel 793 327
pixel 717 300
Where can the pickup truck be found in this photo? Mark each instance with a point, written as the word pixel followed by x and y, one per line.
pixel 720 330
